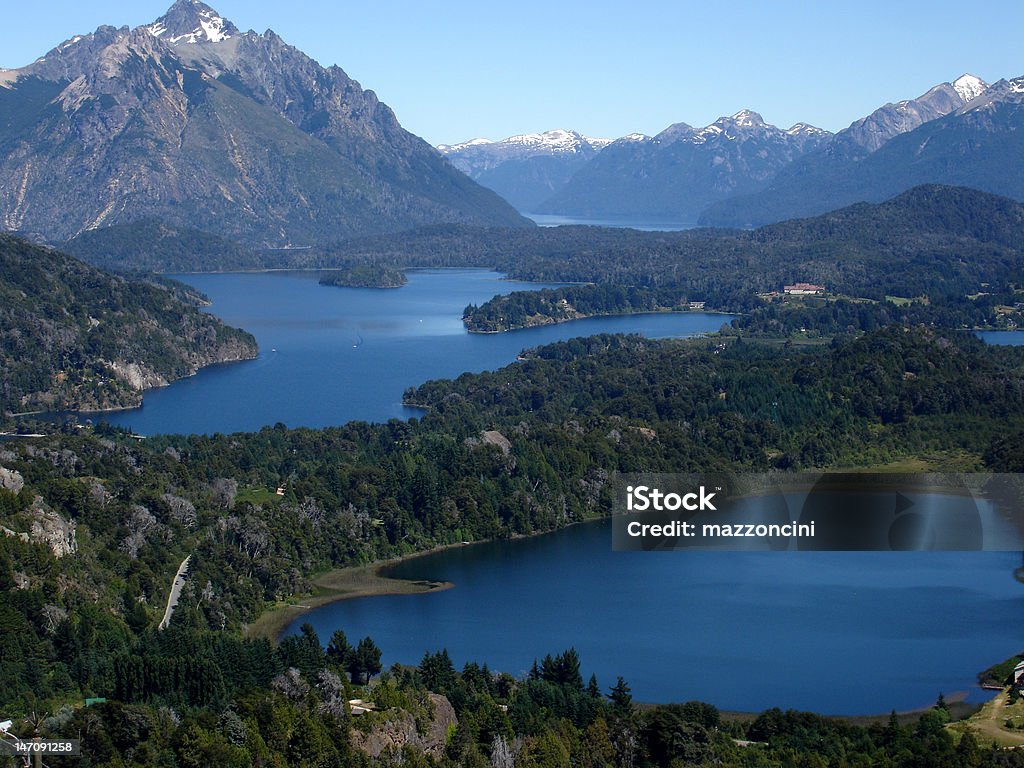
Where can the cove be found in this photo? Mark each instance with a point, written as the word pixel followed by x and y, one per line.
pixel 835 633
pixel 331 355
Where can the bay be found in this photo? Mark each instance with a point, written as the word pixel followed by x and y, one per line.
pixel 330 355
pixel 837 633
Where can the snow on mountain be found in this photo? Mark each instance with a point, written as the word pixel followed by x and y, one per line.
pixel 805 129
pixel 969 86
pixel 555 141
pixel 192 21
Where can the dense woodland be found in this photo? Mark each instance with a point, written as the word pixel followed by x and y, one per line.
pixel 83 624
pixel 524 309
pixel 931 241
pixel 95 522
pixel 73 337
pixel 153 246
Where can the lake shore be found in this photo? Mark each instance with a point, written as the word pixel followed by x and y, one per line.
pixel 346 584
pixel 358 581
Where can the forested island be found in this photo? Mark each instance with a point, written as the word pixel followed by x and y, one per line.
pixel 528 309
pixel 366 276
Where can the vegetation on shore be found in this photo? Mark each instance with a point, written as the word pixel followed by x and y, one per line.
pixel 96 522
pixel 73 337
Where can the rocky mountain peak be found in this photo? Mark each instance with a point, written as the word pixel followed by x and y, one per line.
pixel 747 118
pixel 192 21
pixel 969 86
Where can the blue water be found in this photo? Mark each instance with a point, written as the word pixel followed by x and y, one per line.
pixel 838 633
pixel 331 355
pixel 1002 338
pixel 644 225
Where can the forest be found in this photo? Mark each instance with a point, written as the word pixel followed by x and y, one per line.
pixel 95 522
pixel 929 242
pixel 74 337
pixel 79 606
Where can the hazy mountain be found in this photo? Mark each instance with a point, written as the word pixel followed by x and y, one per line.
pixel 74 337
pixel 191 122
pixel 526 169
pixel 962 133
pixel 678 173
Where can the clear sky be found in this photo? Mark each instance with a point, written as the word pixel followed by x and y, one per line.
pixel 461 69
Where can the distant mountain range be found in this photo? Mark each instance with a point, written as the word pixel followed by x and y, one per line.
pixel 525 170
pixel 742 172
pixel 678 173
pixel 978 144
pixel 191 122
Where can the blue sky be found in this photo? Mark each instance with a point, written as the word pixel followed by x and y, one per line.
pixel 461 69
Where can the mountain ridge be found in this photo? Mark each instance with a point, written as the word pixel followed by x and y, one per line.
pixel 976 145
pixel 239 134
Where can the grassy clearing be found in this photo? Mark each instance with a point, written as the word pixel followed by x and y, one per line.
pixel 989 724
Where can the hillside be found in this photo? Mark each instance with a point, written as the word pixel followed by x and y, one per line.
pixel 74 337
pixel 932 240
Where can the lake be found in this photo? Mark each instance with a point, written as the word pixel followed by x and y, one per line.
pixel 838 633
pixel 1002 338
pixel 331 355
pixel 644 225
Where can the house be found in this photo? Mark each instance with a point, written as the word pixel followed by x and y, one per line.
pixel 696 305
pixel 360 707
pixel 803 289
pixel 1018 673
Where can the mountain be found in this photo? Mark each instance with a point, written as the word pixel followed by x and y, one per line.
pixel 678 173
pixel 963 133
pixel 871 132
pixel 74 337
pixel 193 123
pixel 526 169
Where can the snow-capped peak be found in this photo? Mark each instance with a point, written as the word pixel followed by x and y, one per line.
pixel 449 148
pixel 969 87
pixel 192 21
pixel 806 129
pixel 747 118
pixel 555 141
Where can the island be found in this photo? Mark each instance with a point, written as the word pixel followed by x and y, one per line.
pixel 366 276
pixel 528 309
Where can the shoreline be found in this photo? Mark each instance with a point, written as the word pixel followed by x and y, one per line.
pixel 357 581
pixel 349 583
pixel 562 321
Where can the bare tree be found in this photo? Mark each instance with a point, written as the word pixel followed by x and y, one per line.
pixel 501 753
pixel 182 510
pixel 224 491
